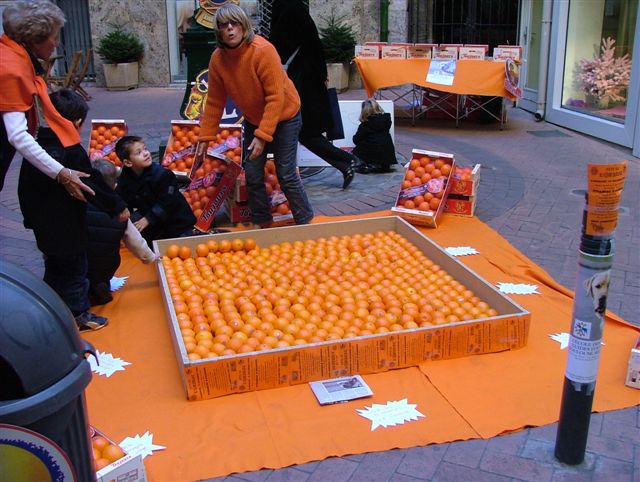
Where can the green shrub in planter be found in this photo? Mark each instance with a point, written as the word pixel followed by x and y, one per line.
pixel 119 47
pixel 338 40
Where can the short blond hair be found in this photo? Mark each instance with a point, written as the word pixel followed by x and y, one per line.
pixel 370 107
pixel 231 12
pixel 32 22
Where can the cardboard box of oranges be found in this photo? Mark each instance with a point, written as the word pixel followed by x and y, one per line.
pixel 105 133
pixel 113 463
pixel 462 196
pixel 424 188
pixel 285 305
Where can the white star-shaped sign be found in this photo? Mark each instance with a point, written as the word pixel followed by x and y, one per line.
pixel 461 250
pixel 563 339
pixel 392 413
pixel 117 282
pixel 518 288
pixel 140 445
pixel 106 364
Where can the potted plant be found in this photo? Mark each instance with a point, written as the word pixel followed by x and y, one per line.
pixel 606 77
pixel 121 52
pixel 338 41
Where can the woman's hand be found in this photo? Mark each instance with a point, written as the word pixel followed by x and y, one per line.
pixel 71 180
pixel 124 215
pixel 141 223
pixel 256 147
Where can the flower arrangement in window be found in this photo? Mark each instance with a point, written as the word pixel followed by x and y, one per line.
pixel 606 77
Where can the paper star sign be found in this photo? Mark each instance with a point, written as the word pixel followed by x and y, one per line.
pixel 116 283
pixel 518 289
pixel 393 413
pixel 140 445
pixel 461 250
pixel 563 339
pixel 108 365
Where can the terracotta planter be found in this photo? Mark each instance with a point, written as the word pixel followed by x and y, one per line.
pixel 338 76
pixel 121 76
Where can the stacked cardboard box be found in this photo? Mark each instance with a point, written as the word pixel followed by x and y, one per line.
pixel 464 190
pixel 129 467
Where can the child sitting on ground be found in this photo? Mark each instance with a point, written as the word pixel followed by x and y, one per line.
pixel 59 221
pixel 158 209
pixel 373 142
pixel 105 235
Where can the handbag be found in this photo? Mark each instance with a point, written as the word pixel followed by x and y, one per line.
pixel 337 129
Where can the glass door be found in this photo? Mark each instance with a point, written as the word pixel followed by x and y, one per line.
pixel 594 78
pixel 179 13
pixel 530 35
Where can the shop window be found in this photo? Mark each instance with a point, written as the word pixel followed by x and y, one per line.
pixel 598 56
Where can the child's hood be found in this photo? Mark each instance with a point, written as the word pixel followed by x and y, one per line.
pixel 380 122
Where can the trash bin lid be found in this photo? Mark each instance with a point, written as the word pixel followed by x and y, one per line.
pixel 39 339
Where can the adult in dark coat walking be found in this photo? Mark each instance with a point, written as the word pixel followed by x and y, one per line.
pixel 293 31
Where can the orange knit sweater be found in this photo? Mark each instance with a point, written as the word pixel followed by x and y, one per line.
pixel 252 75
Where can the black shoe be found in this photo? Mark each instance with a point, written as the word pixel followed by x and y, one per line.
pixel 363 169
pixel 88 321
pixel 348 177
pixel 100 294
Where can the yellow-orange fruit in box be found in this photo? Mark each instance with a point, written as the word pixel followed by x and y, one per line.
pixel 105 133
pixel 465 180
pixel 424 187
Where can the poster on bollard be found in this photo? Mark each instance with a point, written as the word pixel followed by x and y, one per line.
pixel 603 198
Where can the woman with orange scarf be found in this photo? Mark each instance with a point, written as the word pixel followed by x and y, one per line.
pixel 31 33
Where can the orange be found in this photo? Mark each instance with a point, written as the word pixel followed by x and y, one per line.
pixel 224 246
pixel 112 453
pixel 184 252
pixel 99 443
pixel 237 244
pixel 100 464
pixel 202 249
pixel 172 251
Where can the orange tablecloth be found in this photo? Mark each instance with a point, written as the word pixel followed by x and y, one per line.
pixel 476 397
pixel 472 77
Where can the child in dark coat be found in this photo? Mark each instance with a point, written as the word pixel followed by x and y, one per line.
pixel 373 142
pixel 105 236
pixel 158 209
pixel 59 221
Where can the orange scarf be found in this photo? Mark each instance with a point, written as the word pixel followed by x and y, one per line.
pixel 19 84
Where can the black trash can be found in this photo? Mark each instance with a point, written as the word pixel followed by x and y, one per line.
pixel 43 370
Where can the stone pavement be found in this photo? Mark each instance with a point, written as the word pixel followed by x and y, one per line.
pixel 531 191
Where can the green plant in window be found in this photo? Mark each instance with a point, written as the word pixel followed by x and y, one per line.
pixel 606 77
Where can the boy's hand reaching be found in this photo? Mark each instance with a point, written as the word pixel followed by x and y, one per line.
pixel 124 215
pixel 256 147
pixel 141 224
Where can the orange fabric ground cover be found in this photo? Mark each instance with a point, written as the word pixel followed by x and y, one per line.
pixel 475 397
pixel 472 77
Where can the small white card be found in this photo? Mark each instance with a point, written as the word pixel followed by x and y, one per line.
pixel 441 72
pixel 140 445
pixel 391 414
pixel 117 283
pixel 106 364
pixel 461 250
pixel 518 288
pixel 337 390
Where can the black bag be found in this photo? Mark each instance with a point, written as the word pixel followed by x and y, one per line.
pixel 337 130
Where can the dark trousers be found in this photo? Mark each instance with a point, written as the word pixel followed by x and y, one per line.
pixel 329 153
pixel 67 276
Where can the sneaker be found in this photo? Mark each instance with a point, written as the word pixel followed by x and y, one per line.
pixel 88 321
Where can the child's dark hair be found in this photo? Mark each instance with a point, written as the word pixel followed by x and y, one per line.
pixel 70 104
pixel 124 145
pixel 108 170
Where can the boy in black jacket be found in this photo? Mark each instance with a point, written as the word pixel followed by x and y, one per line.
pixel 159 210
pixel 59 221
pixel 105 236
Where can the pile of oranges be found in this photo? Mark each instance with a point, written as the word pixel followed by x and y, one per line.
pixel 104 452
pixel 103 141
pixel 462 173
pixel 424 183
pixel 179 154
pixel 235 297
pixel 199 198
